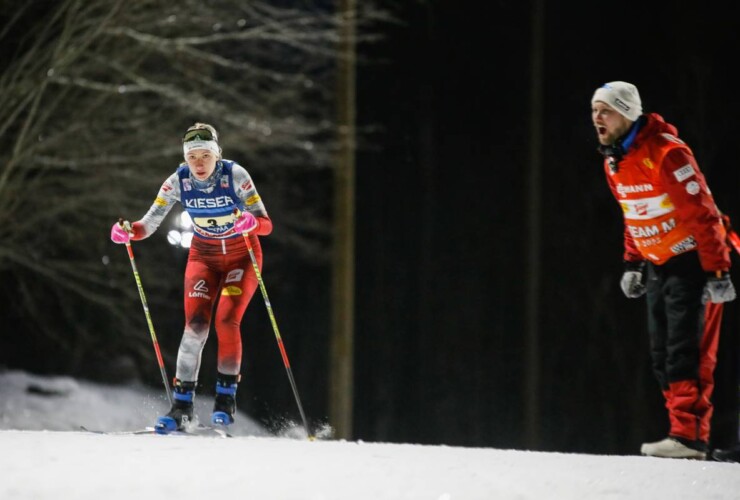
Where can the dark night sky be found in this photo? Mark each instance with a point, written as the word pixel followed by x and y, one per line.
pixel 443 106
pixel 442 213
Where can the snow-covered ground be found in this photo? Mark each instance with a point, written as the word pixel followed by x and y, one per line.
pixel 44 455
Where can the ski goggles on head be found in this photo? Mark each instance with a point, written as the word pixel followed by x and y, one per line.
pixel 200 139
pixel 198 134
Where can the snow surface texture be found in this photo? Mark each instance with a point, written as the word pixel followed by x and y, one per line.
pixel 45 456
pixel 31 402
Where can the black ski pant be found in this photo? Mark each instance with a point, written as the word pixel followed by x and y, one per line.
pixel 684 335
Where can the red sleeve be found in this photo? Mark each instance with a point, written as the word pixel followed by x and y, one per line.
pixel 264 225
pixel 631 253
pixel 695 207
pixel 139 232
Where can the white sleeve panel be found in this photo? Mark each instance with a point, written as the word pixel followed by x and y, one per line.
pixel 247 191
pixel 168 195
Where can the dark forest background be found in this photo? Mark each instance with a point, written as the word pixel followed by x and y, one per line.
pixel 444 117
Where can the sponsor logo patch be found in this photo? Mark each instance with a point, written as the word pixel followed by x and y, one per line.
pixel 234 275
pixel 200 291
pixel 684 245
pixel 625 189
pixel 231 290
pixel 693 188
pixel 160 202
pixel 217 202
pixel 620 103
pixel 684 173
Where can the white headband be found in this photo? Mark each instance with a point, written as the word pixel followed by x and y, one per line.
pixel 209 145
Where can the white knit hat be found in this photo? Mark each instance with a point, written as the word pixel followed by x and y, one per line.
pixel 621 96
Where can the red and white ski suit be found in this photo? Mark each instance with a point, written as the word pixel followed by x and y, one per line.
pixel 219 275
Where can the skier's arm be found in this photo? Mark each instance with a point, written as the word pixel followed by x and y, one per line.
pixel 168 195
pixel 247 192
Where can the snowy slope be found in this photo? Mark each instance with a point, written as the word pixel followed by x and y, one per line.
pixel 32 402
pixel 62 463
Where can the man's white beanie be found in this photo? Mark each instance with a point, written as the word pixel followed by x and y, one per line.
pixel 621 96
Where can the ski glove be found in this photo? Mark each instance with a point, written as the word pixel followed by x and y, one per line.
pixel 633 284
pixel 244 222
pixel 719 288
pixel 121 232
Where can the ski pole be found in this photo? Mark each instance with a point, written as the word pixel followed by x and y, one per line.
pixel 734 240
pixel 127 227
pixel 284 354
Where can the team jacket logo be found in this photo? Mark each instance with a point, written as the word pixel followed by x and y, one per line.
pixel 625 189
pixel 647 208
pixel 200 291
pixel 652 230
pixel 684 245
pixel 684 173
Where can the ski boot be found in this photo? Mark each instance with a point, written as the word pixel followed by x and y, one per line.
pixel 181 413
pixel 225 404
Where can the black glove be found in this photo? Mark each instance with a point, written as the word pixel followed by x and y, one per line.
pixel 633 283
pixel 719 288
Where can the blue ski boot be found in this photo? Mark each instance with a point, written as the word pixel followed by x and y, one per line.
pixel 225 404
pixel 181 413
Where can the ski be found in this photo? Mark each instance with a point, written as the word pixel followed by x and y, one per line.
pixel 146 430
pixel 200 430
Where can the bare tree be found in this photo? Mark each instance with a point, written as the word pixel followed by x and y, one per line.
pixel 93 100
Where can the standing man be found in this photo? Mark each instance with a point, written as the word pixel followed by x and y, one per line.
pixel 674 237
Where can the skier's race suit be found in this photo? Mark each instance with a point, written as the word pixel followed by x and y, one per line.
pixel 219 268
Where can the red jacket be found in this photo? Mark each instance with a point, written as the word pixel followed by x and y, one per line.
pixel 668 208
